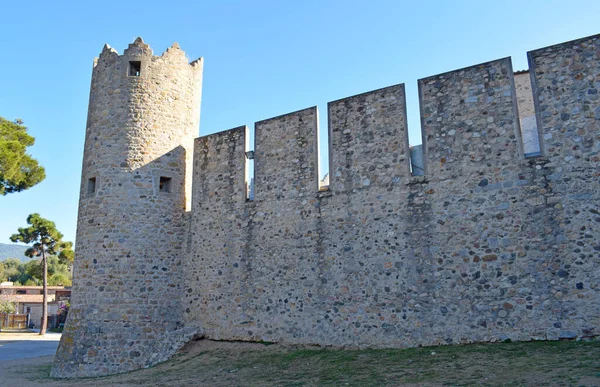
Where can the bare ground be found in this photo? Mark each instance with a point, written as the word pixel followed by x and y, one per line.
pixel 20 336
pixel 210 363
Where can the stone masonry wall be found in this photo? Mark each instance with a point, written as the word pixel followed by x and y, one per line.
pixel 126 306
pixel 246 243
pixel 487 246
pixel 469 120
pixel 219 188
pixel 567 80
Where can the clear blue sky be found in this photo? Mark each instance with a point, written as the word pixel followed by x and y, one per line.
pixel 262 59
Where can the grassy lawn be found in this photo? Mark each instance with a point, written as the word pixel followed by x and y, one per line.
pixel 233 364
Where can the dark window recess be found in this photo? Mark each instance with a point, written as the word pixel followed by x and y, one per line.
pixel 135 67
pixel 91 185
pixel 21 291
pixel 164 184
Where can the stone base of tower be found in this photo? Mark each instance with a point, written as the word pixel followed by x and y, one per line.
pixel 112 350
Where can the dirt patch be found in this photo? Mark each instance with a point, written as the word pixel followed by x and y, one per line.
pixel 35 368
pixel 195 347
pixel 213 363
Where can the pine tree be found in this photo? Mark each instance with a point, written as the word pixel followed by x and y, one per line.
pixel 18 170
pixel 45 241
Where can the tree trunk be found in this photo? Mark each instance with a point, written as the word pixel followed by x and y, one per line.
pixel 45 301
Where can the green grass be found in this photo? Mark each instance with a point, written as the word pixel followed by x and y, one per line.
pixel 232 364
pixel 38 372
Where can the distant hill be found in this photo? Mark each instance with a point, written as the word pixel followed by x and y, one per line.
pixel 13 251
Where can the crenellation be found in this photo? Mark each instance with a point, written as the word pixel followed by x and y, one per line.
pixel 108 56
pixel 469 118
pixel 220 165
pixel 286 156
pixel 138 49
pixel 487 246
pixel 368 139
pixel 567 78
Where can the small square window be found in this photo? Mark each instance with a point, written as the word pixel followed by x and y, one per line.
pixel 135 67
pixel 91 185
pixel 164 184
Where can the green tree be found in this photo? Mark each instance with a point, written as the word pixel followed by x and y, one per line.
pixel 13 270
pixel 60 279
pixel 7 307
pixel 31 282
pixel 34 269
pixel 45 241
pixel 9 269
pixel 18 170
pixel 11 263
pixel 58 272
pixel 67 255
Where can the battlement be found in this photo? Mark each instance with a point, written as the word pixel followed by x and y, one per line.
pixel 472 119
pixel 138 51
pixel 497 241
pixel 568 125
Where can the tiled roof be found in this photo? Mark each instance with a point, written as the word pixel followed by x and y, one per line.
pixel 34 287
pixel 26 298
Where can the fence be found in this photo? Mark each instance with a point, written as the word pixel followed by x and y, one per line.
pixel 13 321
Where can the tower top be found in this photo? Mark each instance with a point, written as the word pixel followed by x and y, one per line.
pixel 140 49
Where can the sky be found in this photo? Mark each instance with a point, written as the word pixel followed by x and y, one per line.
pixel 262 59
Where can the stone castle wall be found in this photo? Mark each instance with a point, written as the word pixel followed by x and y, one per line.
pixel 488 245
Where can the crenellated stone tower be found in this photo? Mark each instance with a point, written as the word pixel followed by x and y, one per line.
pixel 143 117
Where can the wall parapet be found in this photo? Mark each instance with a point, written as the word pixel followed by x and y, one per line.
pixel 565 77
pixel 286 156
pixel 469 118
pixel 368 139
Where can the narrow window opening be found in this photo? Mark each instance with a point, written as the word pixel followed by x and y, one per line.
pixel 91 185
pixel 250 189
pixel 416 127
pixel 164 184
pixel 527 118
pixel 324 183
pixel 249 175
pixel 323 152
pixel 417 168
pixel 135 67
